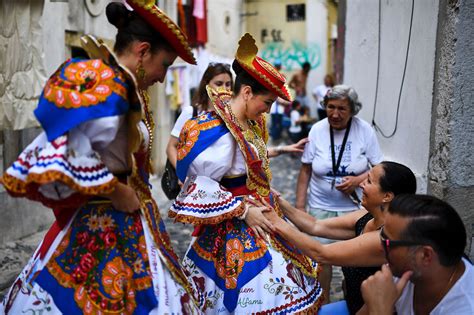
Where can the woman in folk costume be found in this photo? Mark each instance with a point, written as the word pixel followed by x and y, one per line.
pixel 223 162
pixel 108 251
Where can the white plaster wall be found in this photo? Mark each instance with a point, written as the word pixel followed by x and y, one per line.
pixel 53 23
pixel 316 34
pixel 22 73
pixel 410 144
pixel 222 37
pixel 59 17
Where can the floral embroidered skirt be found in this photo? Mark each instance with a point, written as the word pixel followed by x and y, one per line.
pixel 239 274
pixel 103 262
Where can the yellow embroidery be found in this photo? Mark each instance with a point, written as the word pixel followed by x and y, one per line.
pixel 190 134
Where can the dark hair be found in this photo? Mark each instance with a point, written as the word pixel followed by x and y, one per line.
pixel 131 27
pixel 200 97
pixel 432 222
pixel 243 78
pixel 306 65
pixel 397 178
pixel 295 104
pixel 330 79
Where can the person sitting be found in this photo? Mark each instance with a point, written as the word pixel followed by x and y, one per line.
pixel 360 252
pixel 424 239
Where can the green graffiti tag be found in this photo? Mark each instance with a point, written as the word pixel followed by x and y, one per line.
pixel 293 56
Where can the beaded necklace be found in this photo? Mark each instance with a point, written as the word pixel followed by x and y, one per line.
pixel 251 136
pixel 148 119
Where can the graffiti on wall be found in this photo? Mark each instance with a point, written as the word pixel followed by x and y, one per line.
pixel 292 56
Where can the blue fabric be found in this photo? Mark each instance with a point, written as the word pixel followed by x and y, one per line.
pixel 206 138
pixel 228 230
pixel 336 308
pixel 56 120
pixel 114 243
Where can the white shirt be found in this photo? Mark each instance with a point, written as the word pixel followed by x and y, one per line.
pixel 319 92
pixel 277 108
pixel 295 116
pixel 362 149
pixel 221 158
pixel 459 300
pixel 186 114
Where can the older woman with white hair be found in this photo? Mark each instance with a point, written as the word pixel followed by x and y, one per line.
pixel 337 158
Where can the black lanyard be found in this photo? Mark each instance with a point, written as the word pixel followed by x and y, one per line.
pixel 335 166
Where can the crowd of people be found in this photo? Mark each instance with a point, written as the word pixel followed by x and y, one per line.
pixel 108 251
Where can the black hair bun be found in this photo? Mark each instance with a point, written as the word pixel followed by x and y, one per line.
pixel 117 14
pixel 238 69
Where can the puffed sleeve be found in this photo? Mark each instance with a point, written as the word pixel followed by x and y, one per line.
pixel 202 199
pixel 67 170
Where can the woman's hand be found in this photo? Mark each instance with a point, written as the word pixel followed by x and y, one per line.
pixel 124 198
pixel 272 217
pixel 297 147
pixel 285 206
pixel 256 220
pixel 348 185
pixel 276 193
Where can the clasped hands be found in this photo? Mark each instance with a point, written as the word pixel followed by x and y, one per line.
pixel 261 216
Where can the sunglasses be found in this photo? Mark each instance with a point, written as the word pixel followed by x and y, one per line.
pixel 216 64
pixel 388 243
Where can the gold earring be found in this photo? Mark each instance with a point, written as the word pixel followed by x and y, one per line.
pixel 141 73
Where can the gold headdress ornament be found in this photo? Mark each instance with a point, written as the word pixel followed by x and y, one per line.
pixel 165 26
pixel 259 69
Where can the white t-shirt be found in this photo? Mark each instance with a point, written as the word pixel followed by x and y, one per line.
pixel 459 300
pixel 362 149
pixel 186 114
pixel 277 108
pixel 319 92
pixel 295 116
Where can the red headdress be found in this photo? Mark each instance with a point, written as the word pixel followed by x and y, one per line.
pixel 165 26
pixel 259 69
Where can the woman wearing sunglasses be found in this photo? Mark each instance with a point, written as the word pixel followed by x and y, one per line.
pixel 360 252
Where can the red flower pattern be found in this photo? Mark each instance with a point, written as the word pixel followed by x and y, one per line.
pixel 87 262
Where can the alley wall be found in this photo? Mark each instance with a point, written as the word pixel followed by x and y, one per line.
pixel 378 75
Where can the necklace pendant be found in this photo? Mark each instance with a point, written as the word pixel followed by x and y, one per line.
pixel 333 183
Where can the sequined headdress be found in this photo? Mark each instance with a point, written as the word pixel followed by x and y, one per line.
pixel 165 26
pixel 259 69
